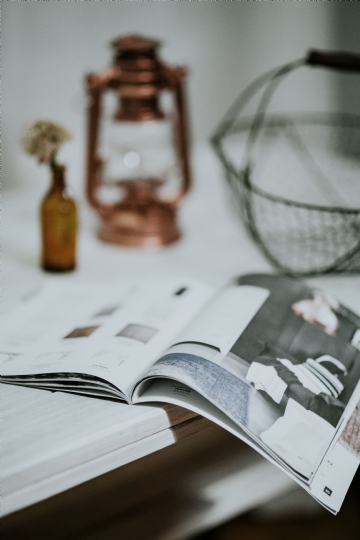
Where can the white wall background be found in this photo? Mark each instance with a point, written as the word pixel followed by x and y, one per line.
pixel 49 46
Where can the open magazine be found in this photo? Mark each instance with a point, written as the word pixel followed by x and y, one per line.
pixel 271 360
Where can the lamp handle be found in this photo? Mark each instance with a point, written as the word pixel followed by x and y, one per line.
pixel 95 86
pixel 174 80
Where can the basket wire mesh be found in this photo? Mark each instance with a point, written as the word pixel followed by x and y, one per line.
pixel 299 238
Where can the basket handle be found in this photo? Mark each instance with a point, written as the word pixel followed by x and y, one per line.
pixel 268 83
pixel 344 61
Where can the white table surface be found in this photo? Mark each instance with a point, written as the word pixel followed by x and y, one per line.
pixel 103 435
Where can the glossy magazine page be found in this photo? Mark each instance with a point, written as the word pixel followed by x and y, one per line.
pixel 95 339
pixel 283 362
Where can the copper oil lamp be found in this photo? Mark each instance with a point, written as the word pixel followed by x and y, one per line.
pixel 137 168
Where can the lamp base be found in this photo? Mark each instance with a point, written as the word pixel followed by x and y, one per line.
pixel 151 226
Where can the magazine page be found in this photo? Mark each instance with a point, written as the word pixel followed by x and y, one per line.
pixel 337 469
pixel 278 358
pixel 332 480
pixel 171 391
pixel 93 339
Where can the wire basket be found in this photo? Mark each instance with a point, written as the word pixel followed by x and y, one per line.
pixel 319 151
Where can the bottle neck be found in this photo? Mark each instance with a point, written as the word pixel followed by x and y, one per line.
pixel 58 178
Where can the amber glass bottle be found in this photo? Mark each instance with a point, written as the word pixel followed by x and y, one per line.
pixel 58 225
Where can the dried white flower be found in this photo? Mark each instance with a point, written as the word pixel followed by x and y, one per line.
pixel 43 139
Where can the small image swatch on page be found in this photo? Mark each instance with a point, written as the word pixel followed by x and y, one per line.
pixel 85 331
pixel 138 332
pixel 350 437
pixel 107 311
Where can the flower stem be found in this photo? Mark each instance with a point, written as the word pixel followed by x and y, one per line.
pixel 53 163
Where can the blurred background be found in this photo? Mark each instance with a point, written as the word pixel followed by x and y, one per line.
pixel 49 47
